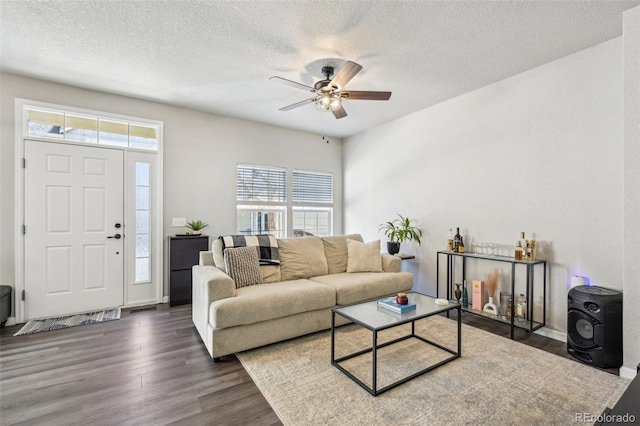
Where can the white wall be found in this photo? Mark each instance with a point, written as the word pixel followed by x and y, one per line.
pixel 631 314
pixel 201 152
pixel 540 152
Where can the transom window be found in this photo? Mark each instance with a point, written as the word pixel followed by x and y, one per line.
pixel 90 129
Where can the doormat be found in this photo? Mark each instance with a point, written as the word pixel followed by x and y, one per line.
pixel 67 321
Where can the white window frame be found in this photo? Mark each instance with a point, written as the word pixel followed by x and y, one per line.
pixel 267 205
pixel 313 206
pixel 133 296
pixel 289 205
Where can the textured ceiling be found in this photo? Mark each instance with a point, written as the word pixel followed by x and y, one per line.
pixel 217 56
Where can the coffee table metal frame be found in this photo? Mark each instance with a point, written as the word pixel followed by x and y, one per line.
pixel 398 319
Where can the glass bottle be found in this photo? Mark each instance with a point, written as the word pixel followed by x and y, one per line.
pixel 461 246
pixel 523 304
pixel 518 251
pixel 450 241
pixel 465 295
pixel 456 240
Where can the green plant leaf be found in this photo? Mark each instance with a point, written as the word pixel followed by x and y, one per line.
pixel 401 230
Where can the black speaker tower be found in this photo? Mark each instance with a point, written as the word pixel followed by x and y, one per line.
pixel 594 326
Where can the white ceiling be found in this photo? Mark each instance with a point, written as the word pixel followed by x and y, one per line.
pixel 217 56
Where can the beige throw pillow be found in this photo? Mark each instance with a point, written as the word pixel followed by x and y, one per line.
pixel 242 266
pixel 301 257
pixel 363 257
pixel 335 250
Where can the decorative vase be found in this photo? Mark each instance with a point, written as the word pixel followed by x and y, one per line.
pixel 490 307
pixel 195 233
pixel 393 247
pixel 458 293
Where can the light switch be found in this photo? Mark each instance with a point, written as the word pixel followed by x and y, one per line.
pixel 179 221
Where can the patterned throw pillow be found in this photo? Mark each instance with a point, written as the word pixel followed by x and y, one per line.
pixel 242 266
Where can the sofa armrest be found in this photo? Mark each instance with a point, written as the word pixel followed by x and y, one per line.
pixel 391 263
pixel 206 258
pixel 212 283
pixel 208 285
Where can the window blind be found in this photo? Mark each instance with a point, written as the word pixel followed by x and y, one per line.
pixel 261 184
pixel 309 187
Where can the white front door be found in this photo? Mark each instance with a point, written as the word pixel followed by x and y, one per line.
pixel 73 215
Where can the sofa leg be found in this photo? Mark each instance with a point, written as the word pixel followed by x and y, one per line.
pixel 216 359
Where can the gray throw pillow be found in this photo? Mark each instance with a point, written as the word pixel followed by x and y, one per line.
pixel 242 266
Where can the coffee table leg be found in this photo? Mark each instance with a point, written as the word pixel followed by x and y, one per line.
pixel 333 336
pixel 374 384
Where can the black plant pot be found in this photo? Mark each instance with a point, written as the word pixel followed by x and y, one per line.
pixel 393 248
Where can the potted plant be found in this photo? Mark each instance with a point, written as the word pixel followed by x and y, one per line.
pixel 398 231
pixel 196 226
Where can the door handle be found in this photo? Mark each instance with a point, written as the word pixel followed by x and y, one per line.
pixel 117 236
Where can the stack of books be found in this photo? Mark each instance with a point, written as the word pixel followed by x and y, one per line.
pixel 389 303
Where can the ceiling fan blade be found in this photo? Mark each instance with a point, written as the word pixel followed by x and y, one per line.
pixel 340 112
pixel 346 73
pixel 293 84
pixel 297 104
pixel 367 96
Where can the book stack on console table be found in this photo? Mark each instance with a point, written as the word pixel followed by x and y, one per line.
pixel 389 303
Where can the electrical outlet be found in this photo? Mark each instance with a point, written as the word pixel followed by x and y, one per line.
pixel 179 221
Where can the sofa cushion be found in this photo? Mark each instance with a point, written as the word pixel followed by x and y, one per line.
pixel 301 258
pixel 363 257
pixel 361 286
pixel 264 302
pixel 335 250
pixel 243 266
pixel 270 273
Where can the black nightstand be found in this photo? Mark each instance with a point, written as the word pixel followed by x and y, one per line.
pixel 184 252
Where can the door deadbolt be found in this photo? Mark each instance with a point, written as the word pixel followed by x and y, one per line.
pixel 118 226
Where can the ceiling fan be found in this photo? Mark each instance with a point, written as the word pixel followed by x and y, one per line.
pixel 329 93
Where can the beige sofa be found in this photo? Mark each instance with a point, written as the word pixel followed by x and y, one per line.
pixel 295 299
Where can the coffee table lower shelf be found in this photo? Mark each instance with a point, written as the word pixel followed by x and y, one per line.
pixel 373 389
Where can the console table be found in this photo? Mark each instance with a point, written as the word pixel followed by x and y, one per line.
pixel 529 324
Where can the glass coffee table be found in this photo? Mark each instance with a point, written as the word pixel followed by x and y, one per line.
pixel 376 319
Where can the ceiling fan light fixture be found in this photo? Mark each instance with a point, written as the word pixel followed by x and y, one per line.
pixel 328 92
pixel 328 101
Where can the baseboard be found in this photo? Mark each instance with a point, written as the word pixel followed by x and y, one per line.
pixel 165 299
pixel 11 321
pixel 627 373
pixel 552 334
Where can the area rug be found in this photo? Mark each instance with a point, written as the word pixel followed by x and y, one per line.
pixel 496 381
pixel 48 324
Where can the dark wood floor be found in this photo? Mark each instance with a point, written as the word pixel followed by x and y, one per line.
pixel 148 368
